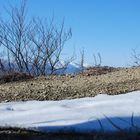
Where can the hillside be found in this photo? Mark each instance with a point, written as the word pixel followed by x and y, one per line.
pixel 71 86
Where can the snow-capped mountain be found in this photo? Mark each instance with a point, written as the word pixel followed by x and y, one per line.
pixel 71 67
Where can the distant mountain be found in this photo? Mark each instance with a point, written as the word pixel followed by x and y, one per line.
pixel 71 68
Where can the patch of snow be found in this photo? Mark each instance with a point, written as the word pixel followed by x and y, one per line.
pixel 100 113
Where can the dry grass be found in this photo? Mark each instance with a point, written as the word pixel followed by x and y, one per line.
pixel 72 86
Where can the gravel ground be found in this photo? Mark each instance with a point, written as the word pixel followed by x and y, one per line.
pixel 85 84
pixel 72 86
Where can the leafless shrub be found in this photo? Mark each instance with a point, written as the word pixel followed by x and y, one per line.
pixel 14 37
pixel 34 46
pixel 136 57
pixel 14 76
pixel 47 45
pixel 97 60
pixel 82 61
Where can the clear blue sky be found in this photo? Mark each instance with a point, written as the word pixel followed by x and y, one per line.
pixel 111 27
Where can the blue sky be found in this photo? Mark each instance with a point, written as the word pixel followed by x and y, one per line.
pixel 111 27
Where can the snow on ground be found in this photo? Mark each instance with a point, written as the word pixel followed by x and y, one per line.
pixel 100 113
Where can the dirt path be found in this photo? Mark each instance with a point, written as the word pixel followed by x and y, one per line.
pixel 72 86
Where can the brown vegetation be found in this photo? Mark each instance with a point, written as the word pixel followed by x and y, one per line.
pixel 14 76
pixel 98 70
pixel 56 87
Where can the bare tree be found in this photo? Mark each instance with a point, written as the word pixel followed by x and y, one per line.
pixel 34 46
pixel 80 64
pixel 82 60
pixel 136 57
pixel 14 37
pixel 97 60
pixel 47 45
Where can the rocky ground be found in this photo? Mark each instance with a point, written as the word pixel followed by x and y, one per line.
pixel 93 81
pixel 89 83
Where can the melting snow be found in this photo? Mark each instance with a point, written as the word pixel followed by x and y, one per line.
pixel 100 113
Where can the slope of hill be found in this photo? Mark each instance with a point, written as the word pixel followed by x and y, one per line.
pixel 71 86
